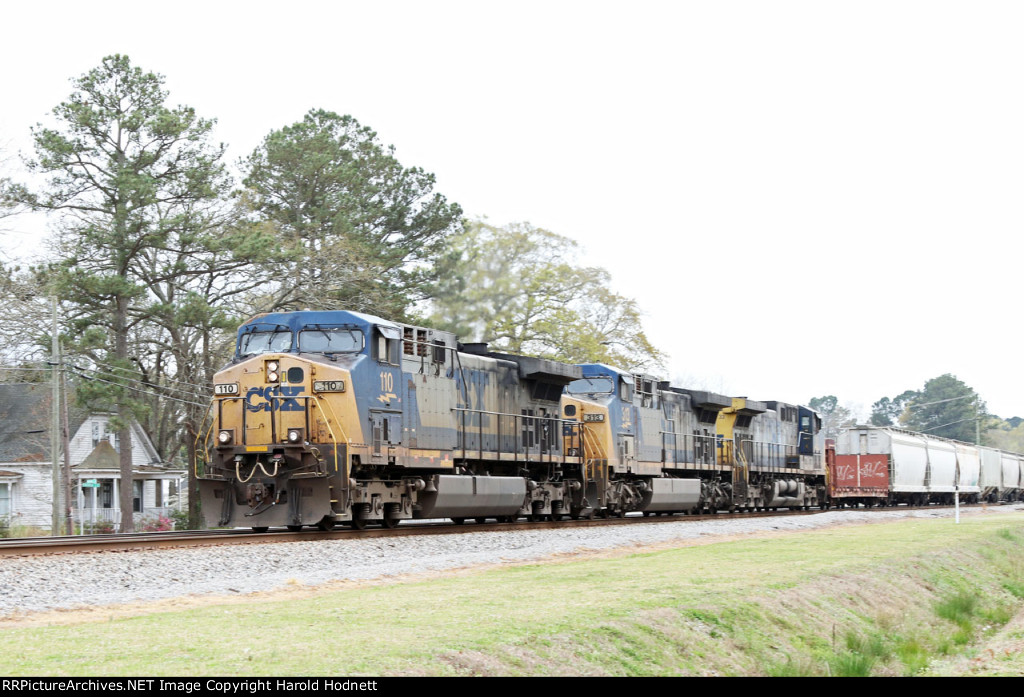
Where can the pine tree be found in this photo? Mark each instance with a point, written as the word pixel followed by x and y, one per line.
pixel 130 179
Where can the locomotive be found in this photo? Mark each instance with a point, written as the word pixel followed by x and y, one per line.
pixel 341 417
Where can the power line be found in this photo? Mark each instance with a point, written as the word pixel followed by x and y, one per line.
pixel 951 423
pixel 163 389
pixel 941 401
pixel 138 389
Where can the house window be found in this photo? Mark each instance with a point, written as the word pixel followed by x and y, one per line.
pixel 5 499
pixel 137 495
pixel 99 434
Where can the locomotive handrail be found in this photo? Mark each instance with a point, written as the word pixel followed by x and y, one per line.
pixel 774 454
pixel 675 443
pixel 348 441
pixel 423 356
pixel 195 456
pixel 707 456
pixel 551 443
pixel 590 462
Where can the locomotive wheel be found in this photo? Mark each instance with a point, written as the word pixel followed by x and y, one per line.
pixel 557 511
pixel 294 528
pixel 326 523
pixel 358 523
pixel 481 521
pixel 458 521
pixel 260 528
pixel 391 518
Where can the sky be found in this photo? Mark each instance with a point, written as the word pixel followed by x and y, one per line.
pixel 806 198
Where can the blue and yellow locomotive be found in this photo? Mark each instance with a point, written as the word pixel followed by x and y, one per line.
pixel 328 417
pixel 662 449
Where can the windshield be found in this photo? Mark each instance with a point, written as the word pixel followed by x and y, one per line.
pixel 330 340
pixel 590 386
pixel 264 342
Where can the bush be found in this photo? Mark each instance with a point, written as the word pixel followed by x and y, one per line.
pixel 100 527
pixel 158 524
pixel 180 519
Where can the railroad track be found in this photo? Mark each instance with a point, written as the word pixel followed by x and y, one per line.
pixel 33 546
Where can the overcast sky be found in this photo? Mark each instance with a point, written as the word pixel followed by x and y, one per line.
pixel 807 198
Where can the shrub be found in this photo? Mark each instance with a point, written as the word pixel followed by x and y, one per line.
pixel 158 524
pixel 100 527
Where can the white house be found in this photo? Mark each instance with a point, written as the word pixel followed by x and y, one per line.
pixel 26 483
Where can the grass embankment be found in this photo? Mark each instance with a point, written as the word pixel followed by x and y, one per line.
pixel 886 599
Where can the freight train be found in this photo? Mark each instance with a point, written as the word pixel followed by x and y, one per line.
pixel 889 466
pixel 341 417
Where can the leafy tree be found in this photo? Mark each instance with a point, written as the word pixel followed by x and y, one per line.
pixel 834 418
pixel 132 181
pixel 1005 435
pixel 886 412
pixel 945 407
pixel 518 288
pixel 362 230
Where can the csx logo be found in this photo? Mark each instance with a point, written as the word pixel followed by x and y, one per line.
pixel 259 398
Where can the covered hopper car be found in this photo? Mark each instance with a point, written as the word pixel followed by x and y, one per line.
pixel 889 466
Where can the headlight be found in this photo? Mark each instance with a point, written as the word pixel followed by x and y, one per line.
pixel 272 365
pixel 224 437
pixel 294 435
pixel 271 376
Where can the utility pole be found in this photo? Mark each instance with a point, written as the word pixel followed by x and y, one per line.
pixel 57 517
pixel 977 420
pixel 66 442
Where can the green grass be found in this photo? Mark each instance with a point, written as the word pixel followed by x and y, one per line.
pixel 863 600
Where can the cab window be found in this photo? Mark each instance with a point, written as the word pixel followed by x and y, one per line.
pixel 255 343
pixel 331 340
pixel 387 344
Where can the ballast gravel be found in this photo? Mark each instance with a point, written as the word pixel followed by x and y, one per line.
pixel 30 584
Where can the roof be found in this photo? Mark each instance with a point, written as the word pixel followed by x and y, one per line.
pixel 102 457
pixel 25 416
